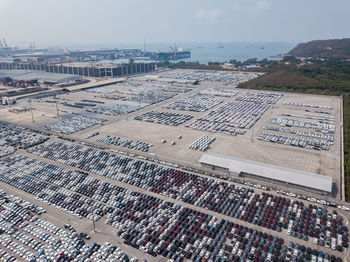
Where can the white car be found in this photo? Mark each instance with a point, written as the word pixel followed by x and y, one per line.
pixel 144 249
pixel 344 208
pixel 322 202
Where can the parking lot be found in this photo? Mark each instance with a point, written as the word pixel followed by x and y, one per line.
pixel 247 114
pixel 184 218
pixel 69 201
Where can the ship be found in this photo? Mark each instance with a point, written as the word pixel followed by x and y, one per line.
pixel 173 54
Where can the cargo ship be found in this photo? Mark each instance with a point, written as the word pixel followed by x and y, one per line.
pixel 174 54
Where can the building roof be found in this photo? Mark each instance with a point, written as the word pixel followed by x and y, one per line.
pixel 93 84
pixel 39 75
pixel 288 175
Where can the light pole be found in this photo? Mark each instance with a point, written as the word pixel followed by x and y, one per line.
pixel 56 110
pixel 93 224
pixel 31 109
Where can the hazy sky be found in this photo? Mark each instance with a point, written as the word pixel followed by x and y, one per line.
pixel 105 22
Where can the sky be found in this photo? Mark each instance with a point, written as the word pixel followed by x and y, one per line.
pixel 67 23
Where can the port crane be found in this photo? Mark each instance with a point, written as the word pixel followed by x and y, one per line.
pixel 5 44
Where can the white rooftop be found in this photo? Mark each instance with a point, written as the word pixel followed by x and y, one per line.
pixel 293 176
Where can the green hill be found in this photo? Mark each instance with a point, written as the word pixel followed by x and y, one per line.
pixel 334 48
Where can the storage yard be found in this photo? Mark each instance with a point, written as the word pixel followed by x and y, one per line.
pixel 288 130
pixel 131 165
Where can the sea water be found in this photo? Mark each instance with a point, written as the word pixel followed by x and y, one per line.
pixel 215 51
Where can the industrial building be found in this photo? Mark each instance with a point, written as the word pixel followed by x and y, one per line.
pixel 83 70
pixel 41 77
pixel 298 179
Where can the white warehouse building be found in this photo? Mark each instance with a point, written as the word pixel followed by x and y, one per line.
pixel 299 179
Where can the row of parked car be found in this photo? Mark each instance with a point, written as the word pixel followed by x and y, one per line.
pixel 6 150
pixel 325 127
pixel 266 210
pixel 74 124
pixel 316 144
pixel 194 103
pixel 154 93
pixel 101 90
pixel 293 103
pixel 222 92
pixel 91 135
pixel 118 107
pixel 216 127
pixel 24 236
pixel 19 137
pixel 318 135
pixel 124 142
pixel 261 97
pixel 232 78
pixel 314 200
pixel 322 119
pixel 164 118
pixel 202 143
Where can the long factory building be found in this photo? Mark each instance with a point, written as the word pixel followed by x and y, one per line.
pixel 88 70
pixel 298 179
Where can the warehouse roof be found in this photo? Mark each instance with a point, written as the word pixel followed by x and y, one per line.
pixel 93 84
pixel 288 175
pixel 39 75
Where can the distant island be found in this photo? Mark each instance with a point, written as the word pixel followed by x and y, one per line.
pixel 330 49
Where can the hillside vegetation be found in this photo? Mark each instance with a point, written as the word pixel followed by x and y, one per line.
pixel 331 49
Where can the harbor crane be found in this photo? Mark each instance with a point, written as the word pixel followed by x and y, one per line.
pixel 4 41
